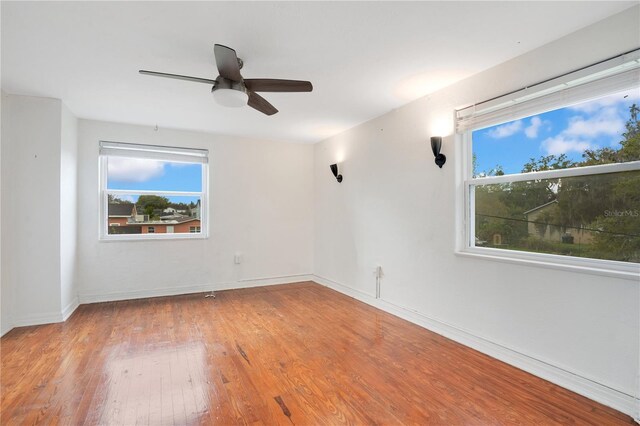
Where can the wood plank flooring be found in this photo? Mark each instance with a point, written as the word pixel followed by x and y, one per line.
pixel 297 354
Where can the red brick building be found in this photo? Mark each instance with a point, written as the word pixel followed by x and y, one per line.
pixel 123 218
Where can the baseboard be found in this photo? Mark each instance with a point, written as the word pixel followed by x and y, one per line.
pixel 38 319
pixel 174 291
pixel 70 308
pixel 260 282
pixel 142 294
pixel 4 329
pixel 598 392
pixel 46 318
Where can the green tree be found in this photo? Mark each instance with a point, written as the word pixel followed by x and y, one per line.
pixel 493 212
pixel 549 162
pixel 619 236
pixel 609 204
pixel 492 215
pixel 113 199
pixel 149 204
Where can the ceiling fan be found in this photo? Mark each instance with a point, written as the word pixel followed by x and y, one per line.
pixel 230 89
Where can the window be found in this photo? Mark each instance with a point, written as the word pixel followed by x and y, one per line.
pixel 152 192
pixel 552 172
pixel 194 229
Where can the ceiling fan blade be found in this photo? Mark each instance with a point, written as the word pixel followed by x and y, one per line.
pixel 276 85
pixel 179 77
pixel 227 62
pixel 258 102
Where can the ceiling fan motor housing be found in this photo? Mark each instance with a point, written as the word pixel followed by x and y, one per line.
pixel 230 93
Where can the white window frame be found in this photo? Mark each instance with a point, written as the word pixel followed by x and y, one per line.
pixel 588 83
pixel 163 153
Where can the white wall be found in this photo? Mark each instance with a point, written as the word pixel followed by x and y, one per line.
pixel 31 208
pixel 397 209
pixel 68 210
pixel 5 290
pixel 261 205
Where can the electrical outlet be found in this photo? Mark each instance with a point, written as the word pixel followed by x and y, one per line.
pixel 237 258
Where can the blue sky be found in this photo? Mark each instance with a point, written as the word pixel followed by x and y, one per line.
pixel 144 174
pixel 571 130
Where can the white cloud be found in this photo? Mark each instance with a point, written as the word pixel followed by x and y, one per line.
pixel 561 144
pixel 596 120
pixel 606 122
pixel 506 130
pixel 178 165
pixel 532 129
pixel 608 101
pixel 134 169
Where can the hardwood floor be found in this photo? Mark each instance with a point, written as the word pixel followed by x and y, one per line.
pixel 294 354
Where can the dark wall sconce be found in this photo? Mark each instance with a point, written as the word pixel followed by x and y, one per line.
pixel 436 144
pixel 334 170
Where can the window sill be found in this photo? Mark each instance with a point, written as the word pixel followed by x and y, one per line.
pixel 623 270
pixel 151 237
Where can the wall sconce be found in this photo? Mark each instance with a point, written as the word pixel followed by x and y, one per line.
pixel 334 170
pixel 436 144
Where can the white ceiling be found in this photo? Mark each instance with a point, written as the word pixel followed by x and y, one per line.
pixel 363 58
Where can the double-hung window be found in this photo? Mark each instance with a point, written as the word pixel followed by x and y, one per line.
pixel 152 192
pixel 552 172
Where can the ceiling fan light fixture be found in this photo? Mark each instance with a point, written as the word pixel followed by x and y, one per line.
pixel 230 97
